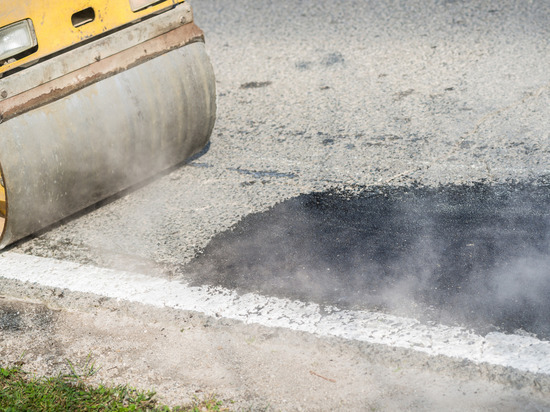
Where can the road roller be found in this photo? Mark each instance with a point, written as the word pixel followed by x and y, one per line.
pixel 95 96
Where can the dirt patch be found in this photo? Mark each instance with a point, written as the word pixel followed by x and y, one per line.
pixel 183 355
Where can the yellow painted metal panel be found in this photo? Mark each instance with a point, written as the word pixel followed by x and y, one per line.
pixel 55 30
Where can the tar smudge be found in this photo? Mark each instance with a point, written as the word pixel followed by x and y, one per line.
pixel 19 316
pixel 476 256
pixel 10 320
pixel 255 85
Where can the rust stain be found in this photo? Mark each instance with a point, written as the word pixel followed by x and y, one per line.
pixel 95 72
pixel 322 377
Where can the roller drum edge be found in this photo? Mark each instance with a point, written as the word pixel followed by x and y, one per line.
pixel 67 155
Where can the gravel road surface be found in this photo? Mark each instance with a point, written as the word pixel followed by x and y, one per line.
pixel 313 97
pixel 321 94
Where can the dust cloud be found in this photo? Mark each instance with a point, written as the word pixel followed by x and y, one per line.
pixel 476 256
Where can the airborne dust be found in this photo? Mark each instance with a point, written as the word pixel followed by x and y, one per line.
pixel 475 255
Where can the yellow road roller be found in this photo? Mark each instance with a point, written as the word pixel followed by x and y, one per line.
pixel 95 96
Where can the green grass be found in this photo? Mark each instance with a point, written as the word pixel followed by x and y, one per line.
pixel 21 392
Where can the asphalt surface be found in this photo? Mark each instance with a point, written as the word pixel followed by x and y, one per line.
pixel 315 96
pixel 409 115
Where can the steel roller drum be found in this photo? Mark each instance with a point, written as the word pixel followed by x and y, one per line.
pixel 61 157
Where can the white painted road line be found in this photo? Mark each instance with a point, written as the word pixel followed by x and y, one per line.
pixel 521 352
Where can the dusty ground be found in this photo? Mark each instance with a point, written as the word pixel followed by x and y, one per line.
pixel 352 94
pixel 183 355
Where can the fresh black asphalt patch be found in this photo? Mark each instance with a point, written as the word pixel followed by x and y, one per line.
pixel 473 255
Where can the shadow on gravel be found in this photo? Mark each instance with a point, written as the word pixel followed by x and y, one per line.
pixel 477 256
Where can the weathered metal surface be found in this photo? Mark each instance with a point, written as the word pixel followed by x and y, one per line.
pixel 102 69
pixel 91 53
pixel 66 155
